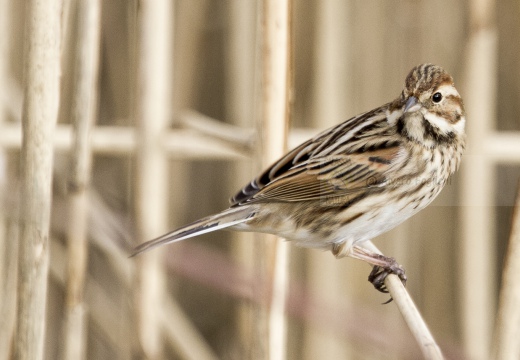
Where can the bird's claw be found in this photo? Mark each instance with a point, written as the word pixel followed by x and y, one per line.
pixel 379 273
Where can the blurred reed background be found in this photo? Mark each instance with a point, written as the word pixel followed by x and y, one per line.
pixel 160 123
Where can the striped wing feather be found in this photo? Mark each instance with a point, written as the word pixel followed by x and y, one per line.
pixel 331 177
pixel 312 171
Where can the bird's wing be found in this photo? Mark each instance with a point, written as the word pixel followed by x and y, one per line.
pixel 352 156
pixel 332 176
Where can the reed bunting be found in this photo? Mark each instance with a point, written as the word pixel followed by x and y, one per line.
pixel 355 180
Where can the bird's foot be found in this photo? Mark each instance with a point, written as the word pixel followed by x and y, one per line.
pixel 383 265
pixel 379 273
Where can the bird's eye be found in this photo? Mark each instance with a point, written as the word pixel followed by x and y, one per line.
pixel 437 97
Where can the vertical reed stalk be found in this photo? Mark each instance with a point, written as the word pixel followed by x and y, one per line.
pixel 8 247
pixel 331 104
pixel 84 106
pixel 153 89
pixel 39 114
pixel 242 79
pixel 507 331
pixel 276 94
pixel 477 245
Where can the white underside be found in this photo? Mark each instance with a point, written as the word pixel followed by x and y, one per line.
pixel 364 228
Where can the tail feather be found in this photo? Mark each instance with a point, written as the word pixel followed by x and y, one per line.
pixel 219 221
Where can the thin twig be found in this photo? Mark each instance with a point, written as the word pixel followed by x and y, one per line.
pixel 40 109
pixel 507 331
pixel 411 315
pixel 190 144
pixel 235 135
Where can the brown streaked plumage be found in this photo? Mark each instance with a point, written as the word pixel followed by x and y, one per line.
pixel 355 180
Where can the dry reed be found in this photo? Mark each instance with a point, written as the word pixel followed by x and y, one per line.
pixel 477 220
pixel 83 114
pixel 507 328
pixel 39 115
pixel 274 125
pixel 152 98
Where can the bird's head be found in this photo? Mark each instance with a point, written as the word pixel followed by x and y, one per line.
pixel 431 109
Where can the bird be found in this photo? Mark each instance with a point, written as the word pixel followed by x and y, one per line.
pixel 356 180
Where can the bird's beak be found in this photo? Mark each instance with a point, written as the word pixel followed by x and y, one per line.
pixel 412 104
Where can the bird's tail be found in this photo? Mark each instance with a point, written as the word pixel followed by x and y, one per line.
pixel 215 222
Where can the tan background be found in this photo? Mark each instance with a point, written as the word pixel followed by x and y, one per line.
pixel 349 56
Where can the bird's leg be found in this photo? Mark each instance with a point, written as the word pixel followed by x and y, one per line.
pixel 383 265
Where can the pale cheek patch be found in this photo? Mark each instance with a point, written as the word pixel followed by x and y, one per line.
pixel 414 127
pixel 458 127
pixel 440 123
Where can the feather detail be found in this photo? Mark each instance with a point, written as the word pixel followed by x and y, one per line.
pixel 350 143
pixel 325 177
pixel 219 221
pixel 330 177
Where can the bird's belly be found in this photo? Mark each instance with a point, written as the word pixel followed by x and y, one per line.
pixel 313 225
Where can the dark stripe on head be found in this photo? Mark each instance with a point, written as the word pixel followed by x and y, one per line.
pixel 424 77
